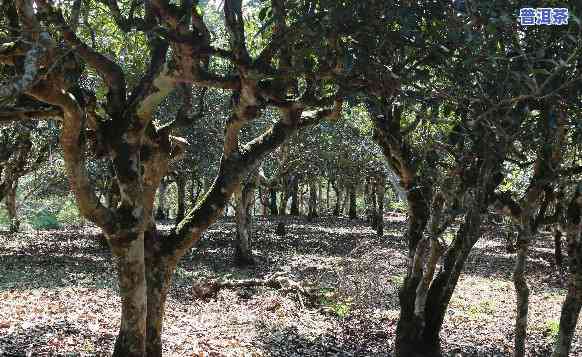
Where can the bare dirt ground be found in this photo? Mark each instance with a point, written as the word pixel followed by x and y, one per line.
pixel 58 295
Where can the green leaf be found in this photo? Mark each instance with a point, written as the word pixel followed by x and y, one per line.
pixel 541 71
pixel 264 12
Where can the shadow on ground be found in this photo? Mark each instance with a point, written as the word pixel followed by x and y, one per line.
pixel 345 256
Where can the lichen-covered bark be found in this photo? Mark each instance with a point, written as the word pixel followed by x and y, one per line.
pixel 244 196
pixel 139 152
pixel 129 252
pixel 14 163
pixel 443 285
pixel 423 298
pixel 159 271
pixel 531 210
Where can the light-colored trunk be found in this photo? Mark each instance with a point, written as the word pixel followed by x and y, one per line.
pixel 159 271
pixel 338 201
pixel 129 251
pixel 243 244
pixel 295 197
pixel 312 200
pixel 345 202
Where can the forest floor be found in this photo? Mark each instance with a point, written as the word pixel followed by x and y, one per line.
pixel 58 295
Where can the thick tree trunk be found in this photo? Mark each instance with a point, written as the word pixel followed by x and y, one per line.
pixel 568 320
pixel 273 202
pixel 129 251
pixel 409 328
pixel 353 213
pixel 181 190
pixel 312 200
pixel 573 303
pixel 243 243
pixel 442 288
pixel 10 202
pixel 159 272
pixel 424 300
pixel 522 292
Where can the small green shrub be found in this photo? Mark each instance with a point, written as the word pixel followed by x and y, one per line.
pixel 44 220
pixel 4 221
pixel 482 309
pixel 332 304
pixel 69 214
pixel 553 329
pixel 397 279
pixel 398 206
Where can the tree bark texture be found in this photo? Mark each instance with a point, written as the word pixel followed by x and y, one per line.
pixel 244 197
pixel 312 200
pixel 573 302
